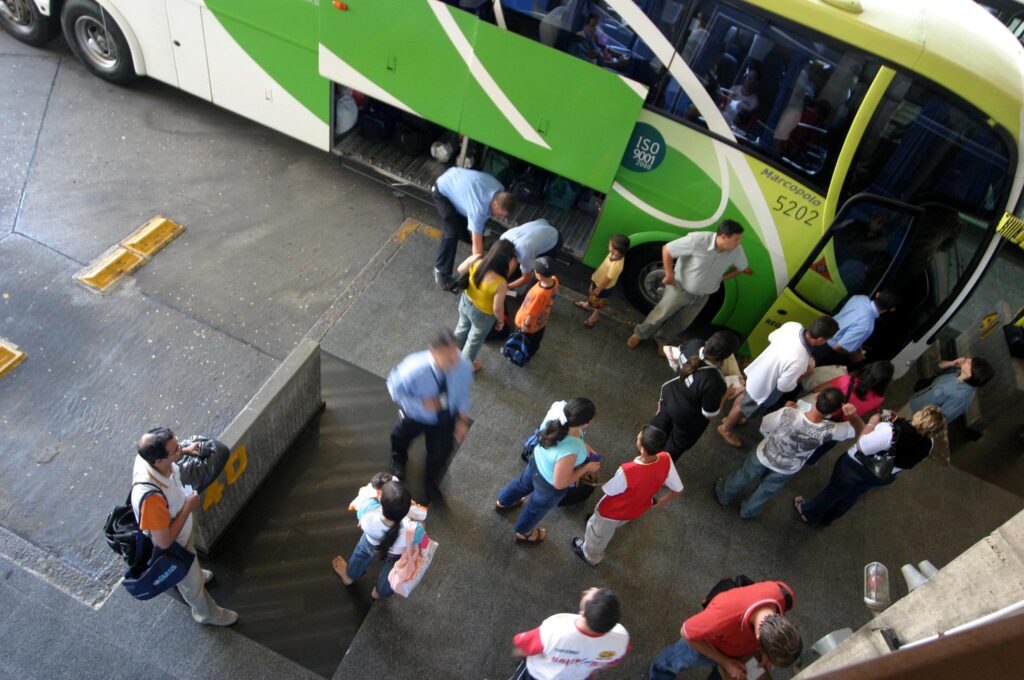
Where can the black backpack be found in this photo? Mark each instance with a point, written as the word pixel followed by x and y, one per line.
pixel 740 581
pixel 122 529
pixel 528 186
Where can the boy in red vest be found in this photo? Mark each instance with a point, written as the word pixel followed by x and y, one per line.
pixel 629 494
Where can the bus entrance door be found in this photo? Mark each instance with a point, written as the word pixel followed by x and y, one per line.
pixel 868 248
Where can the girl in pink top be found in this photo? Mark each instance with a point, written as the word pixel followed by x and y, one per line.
pixel 865 389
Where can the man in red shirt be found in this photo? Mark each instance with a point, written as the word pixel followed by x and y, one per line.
pixel 735 625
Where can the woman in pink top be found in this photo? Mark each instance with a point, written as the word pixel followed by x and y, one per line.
pixel 865 389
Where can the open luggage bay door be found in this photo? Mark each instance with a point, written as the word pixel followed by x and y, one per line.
pixel 522 97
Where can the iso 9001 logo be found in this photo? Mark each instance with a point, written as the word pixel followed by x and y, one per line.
pixel 646 149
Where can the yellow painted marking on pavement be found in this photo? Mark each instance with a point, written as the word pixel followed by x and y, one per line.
pixel 111 266
pixel 10 356
pixel 410 226
pixel 152 236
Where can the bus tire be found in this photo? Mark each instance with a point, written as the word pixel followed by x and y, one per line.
pixel 642 276
pixel 23 20
pixel 97 41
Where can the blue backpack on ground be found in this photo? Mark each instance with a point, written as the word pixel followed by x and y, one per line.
pixel 515 349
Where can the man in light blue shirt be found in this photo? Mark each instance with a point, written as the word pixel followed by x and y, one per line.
pixel 953 390
pixel 431 389
pixel 532 240
pixel 856 324
pixel 465 200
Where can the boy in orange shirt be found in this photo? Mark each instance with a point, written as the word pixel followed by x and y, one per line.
pixel 535 311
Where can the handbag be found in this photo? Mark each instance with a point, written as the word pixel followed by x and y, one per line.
pixel 880 464
pixel 410 567
pixel 529 445
pixel 157 570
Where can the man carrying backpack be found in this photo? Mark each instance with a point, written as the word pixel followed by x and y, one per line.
pixel 163 508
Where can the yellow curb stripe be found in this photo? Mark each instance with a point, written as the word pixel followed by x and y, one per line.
pixel 10 356
pixel 130 254
pixel 153 236
pixel 110 267
pixel 409 226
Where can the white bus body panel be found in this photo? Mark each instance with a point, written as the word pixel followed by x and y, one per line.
pixel 185 22
pixel 241 85
pixel 144 24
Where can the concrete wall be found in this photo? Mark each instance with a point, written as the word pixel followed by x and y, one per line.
pixel 985 578
pixel 259 436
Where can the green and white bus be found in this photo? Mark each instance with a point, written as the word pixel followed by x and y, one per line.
pixel 863 143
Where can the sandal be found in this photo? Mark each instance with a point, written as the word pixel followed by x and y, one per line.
pixel 590 323
pixel 798 505
pixel 536 536
pixel 499 507
pixel 583 304
pixel 340 568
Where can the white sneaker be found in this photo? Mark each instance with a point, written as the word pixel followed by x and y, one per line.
pixel 223 617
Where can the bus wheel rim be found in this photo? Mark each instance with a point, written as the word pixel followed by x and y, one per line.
pixel 652 284
pixel 16 12
pixel 96 42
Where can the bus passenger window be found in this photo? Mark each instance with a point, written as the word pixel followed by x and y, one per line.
pixel 785 93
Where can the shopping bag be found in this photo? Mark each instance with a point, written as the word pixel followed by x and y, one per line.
pixel 410 567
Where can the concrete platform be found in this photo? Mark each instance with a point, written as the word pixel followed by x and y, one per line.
pixel 489 588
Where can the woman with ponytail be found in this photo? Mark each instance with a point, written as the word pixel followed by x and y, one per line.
pixel 696 394
pixel 559 460
pixel 385 523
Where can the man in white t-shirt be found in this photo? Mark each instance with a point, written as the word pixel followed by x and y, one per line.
pixel 777 371
pixel 574 646
pixel 791 436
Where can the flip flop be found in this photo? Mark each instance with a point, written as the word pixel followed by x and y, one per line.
pixel 583 304
pixel 589 324
pixel 498 506
pixel 345 580
pixel 536 536
pixel 798 505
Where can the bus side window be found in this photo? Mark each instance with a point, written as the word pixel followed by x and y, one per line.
pixel 593 31
pixel 786 93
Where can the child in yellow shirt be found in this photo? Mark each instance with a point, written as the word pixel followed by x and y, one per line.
pixel 604 279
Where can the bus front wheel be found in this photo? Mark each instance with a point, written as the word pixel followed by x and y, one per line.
pixel 22 19
pixel 642 276
pixel 97 41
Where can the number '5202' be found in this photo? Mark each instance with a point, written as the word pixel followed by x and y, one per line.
pixel 795 210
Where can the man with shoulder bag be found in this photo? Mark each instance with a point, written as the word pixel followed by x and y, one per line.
pixel 163 500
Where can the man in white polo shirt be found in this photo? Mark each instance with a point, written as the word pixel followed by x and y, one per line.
pixel 574 646
pixel 163 508
pixel 776 372
pixel 702 261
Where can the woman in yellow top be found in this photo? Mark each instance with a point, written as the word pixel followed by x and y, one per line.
pixel 482 305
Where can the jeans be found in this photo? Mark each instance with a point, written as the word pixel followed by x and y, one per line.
pixel 672 315
pixel 771 483
pixel 473 328
pixel 363 555
pixel 542 495
pixel 849 481
pixel 675 658
pixel 455 227
pixel 440 442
